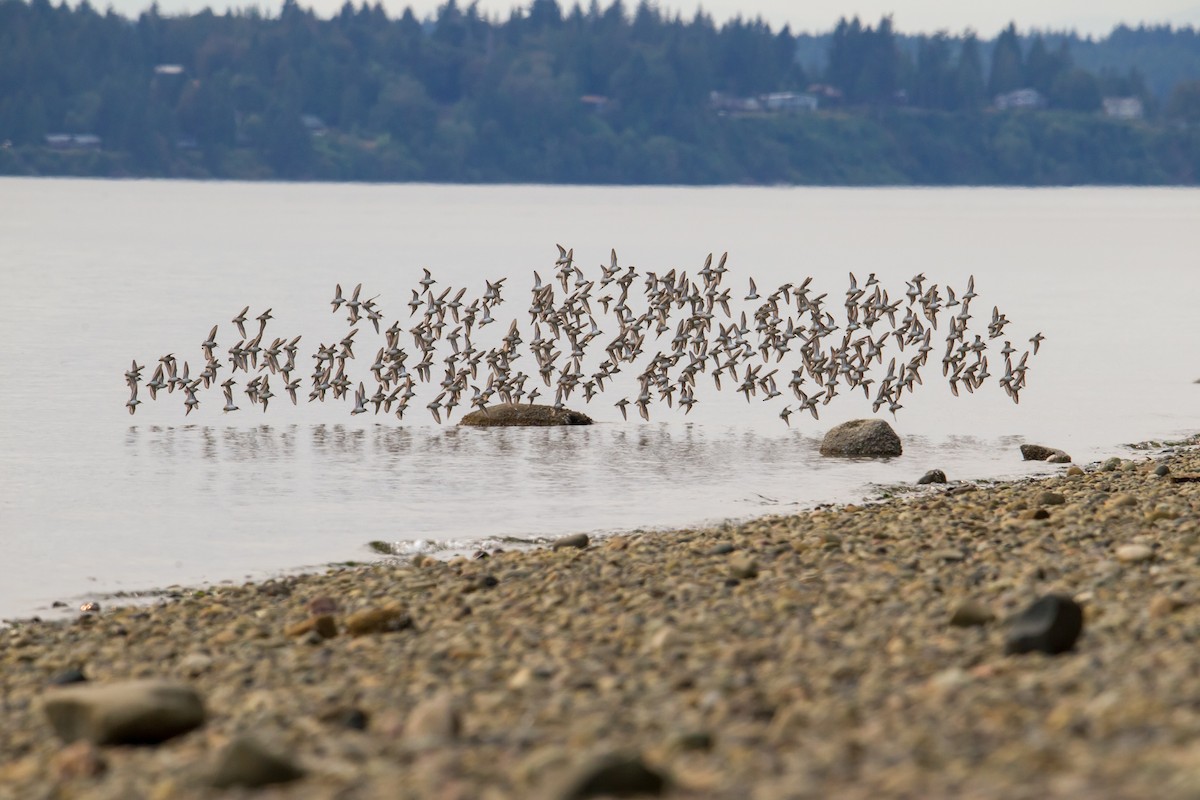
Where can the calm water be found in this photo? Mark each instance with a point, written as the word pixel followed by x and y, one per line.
pixel 95 273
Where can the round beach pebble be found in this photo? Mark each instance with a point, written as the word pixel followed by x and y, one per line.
pixel 1050 625
pixel 1134 553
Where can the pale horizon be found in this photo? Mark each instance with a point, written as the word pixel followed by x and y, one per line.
pixel 1094 19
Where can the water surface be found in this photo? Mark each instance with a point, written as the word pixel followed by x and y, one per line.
pixel 96 273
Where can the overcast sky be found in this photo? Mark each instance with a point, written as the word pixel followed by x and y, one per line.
pixel 910 16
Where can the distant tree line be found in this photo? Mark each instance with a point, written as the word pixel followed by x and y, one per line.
pixel 598 95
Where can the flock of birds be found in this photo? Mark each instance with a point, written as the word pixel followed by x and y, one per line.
pixel 689 320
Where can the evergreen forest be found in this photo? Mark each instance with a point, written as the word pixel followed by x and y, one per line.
pixel 596 94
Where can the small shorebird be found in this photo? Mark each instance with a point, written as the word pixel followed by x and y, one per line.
pixel 240 321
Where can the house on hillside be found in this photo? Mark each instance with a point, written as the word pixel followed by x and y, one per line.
pixel 789 102
pixel 72 141
pixel 1123 107
pixel 1019 99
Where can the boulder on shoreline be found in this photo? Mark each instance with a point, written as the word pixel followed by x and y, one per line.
pixel 524 415
pixel 1037 452
pixel 862 438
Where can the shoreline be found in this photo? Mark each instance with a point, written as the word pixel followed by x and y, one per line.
pixel 805 655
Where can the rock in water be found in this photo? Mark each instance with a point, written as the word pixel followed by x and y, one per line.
pixel 1051 625
pixel 933 476
pixel 1037 452
pixel 245 762
pixel 524 415
pixel 869 438
pixel 577 541
pixel 133 712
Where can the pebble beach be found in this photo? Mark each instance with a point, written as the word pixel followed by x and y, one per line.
pixel 850 652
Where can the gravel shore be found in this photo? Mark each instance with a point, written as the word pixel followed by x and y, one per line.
pixel 807 656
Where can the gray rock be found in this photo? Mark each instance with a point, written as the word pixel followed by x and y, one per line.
pixel 1059 458
pixel 1037 452
pixel 246 762
pixel 871 438
pixel 133 712
pixel 1050 625
pixel 1162 470
pixel 933 476
pixel 578 541
pixel 523 415
pixel 614 776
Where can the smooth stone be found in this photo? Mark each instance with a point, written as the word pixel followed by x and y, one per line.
pixel 578 541
pixel 1134 553
pixel 614 776
pixel 387 619
pixel 865 438
pixel 1059 458
pixel 1050 625
pixel 1110 464
pixel 1122 500
pixel 1034 513
pixel 1074 472
pixel 1051 499
pixel 723 549
pixel 523 415
pixel 1163 605
pixel 434 722
pixel 132 712
pixel 322 606
pixel 246 762
pixel 1037 452
pixel 743 567
pixel 933 476
pixel 970 613
pixel 1162 470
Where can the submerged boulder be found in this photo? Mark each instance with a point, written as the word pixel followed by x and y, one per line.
pixel 863 438
pixel 524 414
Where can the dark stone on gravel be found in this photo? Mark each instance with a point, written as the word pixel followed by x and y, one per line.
pixel 723 549
pixel 1050 625
pixel 523 415
pixel 614 776
pixel 578 541
pixel 133 712
pixel 865 438
pixel 1162 470
pixel 933 476
pixel 246 762
pixel 68 676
